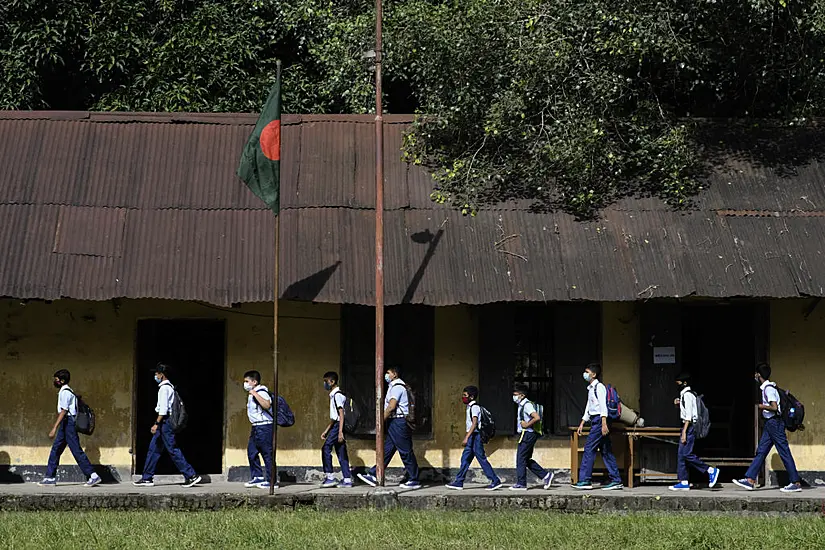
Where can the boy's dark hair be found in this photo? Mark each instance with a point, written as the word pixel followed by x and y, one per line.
pixel 683 377
pixel 63 375
pixel 331 375
pixel 253 375
pixel 472 391
pixel 521 388
pixel 764 370
pixel 395 370
pixel 162 368
pixel 596 369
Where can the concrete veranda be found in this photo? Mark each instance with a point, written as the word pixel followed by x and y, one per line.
pixel 168 494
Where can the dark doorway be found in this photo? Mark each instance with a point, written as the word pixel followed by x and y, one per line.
pixel 720 346
pixel 195 350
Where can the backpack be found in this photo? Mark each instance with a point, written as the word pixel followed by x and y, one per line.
pixel 791 409
pixel 178 417
pixel 486 425
pixel 286 417
pixel 412 418
pixel 614 403
pixel 352 415
pixel 538 427
pixel 701 427
pixel 85 420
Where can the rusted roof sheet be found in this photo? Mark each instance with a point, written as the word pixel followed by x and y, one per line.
pixel 147 205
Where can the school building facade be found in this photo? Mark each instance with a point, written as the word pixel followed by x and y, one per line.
pixel 126 239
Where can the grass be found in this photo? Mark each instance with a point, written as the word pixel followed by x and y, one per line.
pixel 306 529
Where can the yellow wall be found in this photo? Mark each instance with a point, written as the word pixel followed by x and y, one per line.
pixel 797 353
pixel 95 341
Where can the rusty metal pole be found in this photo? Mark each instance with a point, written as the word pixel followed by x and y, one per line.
pixel 276 275
pixel 379 253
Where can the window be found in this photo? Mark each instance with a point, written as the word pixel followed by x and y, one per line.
pixel 543 346
pixel 409 345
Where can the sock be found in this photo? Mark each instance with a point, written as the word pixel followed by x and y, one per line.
pixel 710 469
pixel 348 480
pixel 330 477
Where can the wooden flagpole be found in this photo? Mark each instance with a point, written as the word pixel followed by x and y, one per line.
pixel 276 275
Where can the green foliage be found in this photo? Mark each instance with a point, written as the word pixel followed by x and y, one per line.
pixel 568 104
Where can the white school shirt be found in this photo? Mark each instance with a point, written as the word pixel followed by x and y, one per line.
pixel 66 401
pixel 687 405
pixel 166 396
pixel 398 391
pixel 257 415
pixel 596 400
pixel 525 412
pixel 769 393
pixel 337 400
pixel 472 410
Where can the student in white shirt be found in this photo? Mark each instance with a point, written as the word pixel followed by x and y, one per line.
pixel 688 412
pixel 163 436
pixel 399 435
pixel 473 446
pixel 64 433
pixel 599 437
pixel 258 404
pixel 526 419
pixel 333 435
pixel 773 434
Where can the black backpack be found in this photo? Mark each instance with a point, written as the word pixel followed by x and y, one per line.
pixel 792 410
pixel 178 417
pixel 701 427
pixel 85 420
pixel 412 417
pixel 352 415
pixel 486 425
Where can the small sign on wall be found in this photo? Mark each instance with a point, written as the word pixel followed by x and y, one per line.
pixel 664 355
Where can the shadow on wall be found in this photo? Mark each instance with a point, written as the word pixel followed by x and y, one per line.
pixel 7 475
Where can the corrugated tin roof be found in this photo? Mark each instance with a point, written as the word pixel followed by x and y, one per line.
pixel 103 205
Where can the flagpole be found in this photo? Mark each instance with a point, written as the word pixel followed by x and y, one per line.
pixel 276 275
pixel 379 253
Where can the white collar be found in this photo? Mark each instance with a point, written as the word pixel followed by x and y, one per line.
pixel 259 387
pixel 396 382
pixel 471 403
pixel 765 384
pixel 594 382
pixel 521 402
pixel 335 390
pixel 65 387
pixel 684 390
pixel 165 382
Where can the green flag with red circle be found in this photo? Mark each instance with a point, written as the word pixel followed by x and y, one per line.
pixel 260 166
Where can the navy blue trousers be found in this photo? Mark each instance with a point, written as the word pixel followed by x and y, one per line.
pixel 475 449
pixel 164 437
pixel 773 434
pixel 524 458
pixel 399 438
pixel 260 443
pixel 67 436
pixel 596 441
pixel 330 443
pixel 686 456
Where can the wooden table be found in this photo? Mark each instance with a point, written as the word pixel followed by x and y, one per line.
pixel 632 434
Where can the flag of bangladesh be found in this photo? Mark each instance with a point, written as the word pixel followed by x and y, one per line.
pixel 260 166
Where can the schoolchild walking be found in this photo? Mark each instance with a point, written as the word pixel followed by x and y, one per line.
pixel 258 403
pixel 527 419
pixel 595 411
pixel 473 445
pixel 64 433
pixel 773 435
pixel 399 435
pixel 333 435
pixel 163 437
pixel 688 413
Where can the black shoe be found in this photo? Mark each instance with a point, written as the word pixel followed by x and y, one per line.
pixel 144 483
pixel 191 481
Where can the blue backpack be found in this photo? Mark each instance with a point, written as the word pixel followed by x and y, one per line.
pixel 614 403
pixel 286 417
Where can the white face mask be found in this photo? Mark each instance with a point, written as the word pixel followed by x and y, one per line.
pixel 516 399
pixel 586 376
pixel 247 386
